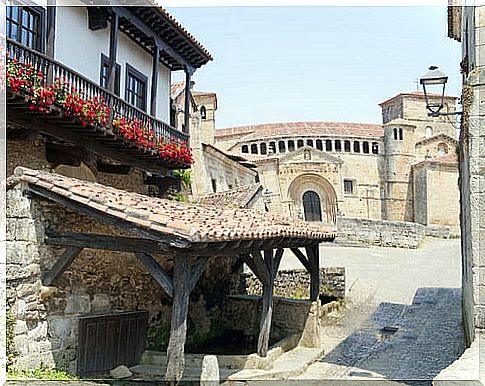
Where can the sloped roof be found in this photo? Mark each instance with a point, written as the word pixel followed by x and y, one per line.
pixel 437 137
pixel 416 94
pixel 239 197
pixel 269 130
pixel 171 223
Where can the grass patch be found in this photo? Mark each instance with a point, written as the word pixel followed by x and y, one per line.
pixel 41 373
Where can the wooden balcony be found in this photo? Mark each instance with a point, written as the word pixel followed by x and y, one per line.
pixel 104 140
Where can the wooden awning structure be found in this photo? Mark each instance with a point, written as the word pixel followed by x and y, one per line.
pixel 189 234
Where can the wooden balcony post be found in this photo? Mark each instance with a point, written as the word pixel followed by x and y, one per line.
pixel 155 65
pixel 188 73
pixel 113 49
pixel 50 38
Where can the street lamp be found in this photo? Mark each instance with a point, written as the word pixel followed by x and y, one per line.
pixel 435 80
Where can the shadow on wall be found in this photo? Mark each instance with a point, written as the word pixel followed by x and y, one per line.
pixel 410 343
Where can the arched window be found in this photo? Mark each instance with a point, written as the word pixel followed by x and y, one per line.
pixel 203 112
pixel 307 155
pixel 395 133
pixel 347 146
pixel 272 147
pixel 319 144
pixel 262 148
pixel 244 149
pixel 309 142
pixel 429 131
pixel 338 145
pixel 328 145
pixel 254 149
pixel 291 145
pixel 300 143
pixel 281 146
pixel 442 148
pixel 356 147
pixel 375 148
pixel 311 206
pixel 365 147
pixel 400 134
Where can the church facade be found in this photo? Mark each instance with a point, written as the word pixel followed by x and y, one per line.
pixel 405 169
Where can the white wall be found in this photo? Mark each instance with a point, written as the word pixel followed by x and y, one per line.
pixel 78 47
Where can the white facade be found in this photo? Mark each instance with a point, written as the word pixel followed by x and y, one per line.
pixel 80 48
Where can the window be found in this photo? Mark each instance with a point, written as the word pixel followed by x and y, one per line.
pixel 375 148
pixel 103 76
pixel 348 186
pixel 309 142
pixel 272 147
pixel 214 185
pixel 262 148
pixel 429 131
pixel 136 88
pixel 291 145
pixel 365 147
pixel 400 134
pixel 356 147
pixel 347 146
pixel 25 25
pixel 328 145
pixel 338 145
pixel 319 144
pixel 244 149
pixel 442 149
pixel 395 133
pixel 300 143
pixel 281 146
pixel 307 155
pixel 254 149
pixel 203 112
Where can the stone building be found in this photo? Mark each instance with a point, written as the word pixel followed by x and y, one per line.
pixel 391 171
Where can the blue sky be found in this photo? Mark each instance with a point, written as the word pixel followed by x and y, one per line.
pixel 274 64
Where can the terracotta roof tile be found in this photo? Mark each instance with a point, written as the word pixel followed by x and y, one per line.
pixel 191 223
pixel 239 197
pixel 269 130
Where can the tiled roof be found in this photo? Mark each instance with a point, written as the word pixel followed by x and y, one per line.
pixel 436 137
pixel 176 88
pixel 162 219
pixel 416 94
pixel 239 197
pixel 269 130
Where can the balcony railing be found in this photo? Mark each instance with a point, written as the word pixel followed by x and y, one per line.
pixel 53 69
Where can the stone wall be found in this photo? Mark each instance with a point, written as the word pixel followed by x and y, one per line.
pixel 296 283
pixel 46 318
pixel 380 232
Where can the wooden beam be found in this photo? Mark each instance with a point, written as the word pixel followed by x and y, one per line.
pixel 50 36
pixel 154 89
pixel 267 313
pixel 277 260
pixel 104 242
pixel 178 326
pixel 196 271
pixel 313 257
pixel 261 275
pixel 237 265
pixel 104 167
pixel 157 272
pixel 299 254
pixel 186 128
pixel 61 264
pixel 113 49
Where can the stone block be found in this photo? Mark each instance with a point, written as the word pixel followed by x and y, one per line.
pixel 39 332
pixel 25 230
pixel 100 302
pixel 78 304
pixel 40 347
pixel 21 343
pixel 209 375
pixel 20 327
pixel 61 328
pixel 120 372
pixel 17 206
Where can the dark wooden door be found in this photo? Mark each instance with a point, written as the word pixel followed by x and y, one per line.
pixel 311 206
pixel 106 341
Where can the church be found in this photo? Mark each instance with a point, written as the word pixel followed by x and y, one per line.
pixel 405 169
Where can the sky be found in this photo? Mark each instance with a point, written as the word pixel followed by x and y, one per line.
pixel 278 64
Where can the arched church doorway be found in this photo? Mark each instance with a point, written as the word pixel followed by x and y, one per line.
pixel 311 206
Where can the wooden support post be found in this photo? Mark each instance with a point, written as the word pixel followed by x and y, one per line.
pixel 187 101
pixel 50 36
pixel 113 49
pixel 178 327
pixel 314 260
pixel 157 272
pixel 266 316
pixel 155 66
pixel 60 266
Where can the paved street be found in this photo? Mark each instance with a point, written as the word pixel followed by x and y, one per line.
pixel 404 318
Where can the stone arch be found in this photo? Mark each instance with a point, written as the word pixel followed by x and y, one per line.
pixel 318 184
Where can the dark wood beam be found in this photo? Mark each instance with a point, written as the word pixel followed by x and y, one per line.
pixel 186 128
pixel 299 254
pixel 22 134
pixel 61 264
pixel 196 272
pixel 154 89
pixel 172 241
pixel 50 36
pixel 104 167
pixel 104 242
pixel 267 312
pixel 178 326
pixel 277 260
pixel 113 49
pixel 157 272
pixel 314 261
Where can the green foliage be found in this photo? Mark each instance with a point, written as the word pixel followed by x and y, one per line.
pixel 11 352
pixel 185 177
pixel 41 373
pixel 181 197
pixel 158 338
